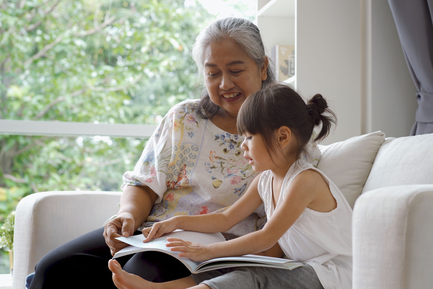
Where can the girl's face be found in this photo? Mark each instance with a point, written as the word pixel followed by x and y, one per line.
pixel 231 75
pixel 256 153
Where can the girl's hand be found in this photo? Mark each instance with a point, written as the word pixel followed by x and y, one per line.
pixel 194 251
pixel 159 229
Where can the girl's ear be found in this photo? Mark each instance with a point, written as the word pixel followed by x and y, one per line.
pixel 284 135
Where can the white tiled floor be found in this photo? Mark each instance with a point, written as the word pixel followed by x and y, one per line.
pixel 5 281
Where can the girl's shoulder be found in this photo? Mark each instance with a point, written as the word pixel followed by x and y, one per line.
pixel 302 178
pixel 305 172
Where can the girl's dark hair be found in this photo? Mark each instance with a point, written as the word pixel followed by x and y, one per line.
pixel 243 32
pixel 279 105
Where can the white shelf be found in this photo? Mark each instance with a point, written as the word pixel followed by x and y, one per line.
pixel 291 81
pixel 278 8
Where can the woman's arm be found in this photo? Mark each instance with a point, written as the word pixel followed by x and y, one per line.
pixel 210 223
pixel 135 205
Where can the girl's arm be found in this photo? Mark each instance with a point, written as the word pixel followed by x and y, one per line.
pixel 306 188
pixel 210 223
pixel 274 251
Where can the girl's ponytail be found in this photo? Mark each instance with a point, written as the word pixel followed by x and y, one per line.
pixel 317 107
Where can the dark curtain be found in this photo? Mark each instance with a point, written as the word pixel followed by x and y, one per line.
pixel 413 19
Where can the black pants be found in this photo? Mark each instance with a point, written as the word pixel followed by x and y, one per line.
pixel 83 263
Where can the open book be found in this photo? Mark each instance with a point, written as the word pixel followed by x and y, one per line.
pixel 159 245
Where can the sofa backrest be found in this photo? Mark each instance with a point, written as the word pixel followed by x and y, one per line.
pixel 348 163
pixel 402 161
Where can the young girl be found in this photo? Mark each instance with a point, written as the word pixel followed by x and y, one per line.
pixel 307 214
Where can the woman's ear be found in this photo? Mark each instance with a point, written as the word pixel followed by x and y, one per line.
pixel 284 135
pixel 264 70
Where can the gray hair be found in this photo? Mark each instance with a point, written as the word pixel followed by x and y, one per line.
pixel 243 32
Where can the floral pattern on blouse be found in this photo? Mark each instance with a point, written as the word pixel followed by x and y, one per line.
pixel 194 167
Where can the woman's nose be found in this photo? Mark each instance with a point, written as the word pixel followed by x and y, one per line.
pixel 226 82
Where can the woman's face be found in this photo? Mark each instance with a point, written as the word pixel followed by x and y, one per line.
pixel 231 75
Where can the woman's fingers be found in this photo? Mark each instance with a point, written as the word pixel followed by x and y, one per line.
pixel 110 234
pixel 122 224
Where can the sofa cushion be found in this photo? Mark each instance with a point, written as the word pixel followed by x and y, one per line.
pixel 402 161
pixel 348 163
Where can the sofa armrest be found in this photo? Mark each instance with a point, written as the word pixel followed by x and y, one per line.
pixel 393 238
pixel 44 221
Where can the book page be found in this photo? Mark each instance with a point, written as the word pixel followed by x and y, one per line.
pixel 248 261
pixel 159 244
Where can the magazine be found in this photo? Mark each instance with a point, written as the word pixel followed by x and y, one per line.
pixel 159 244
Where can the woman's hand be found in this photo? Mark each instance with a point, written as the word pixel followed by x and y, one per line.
pixel 122 225
pixel 159 229
pixel 194 251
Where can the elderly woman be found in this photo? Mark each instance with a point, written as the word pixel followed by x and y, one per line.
pixel 192 165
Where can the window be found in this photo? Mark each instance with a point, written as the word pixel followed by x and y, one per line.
pixel 83 84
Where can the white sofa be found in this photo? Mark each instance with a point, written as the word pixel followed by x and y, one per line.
pixel 391 181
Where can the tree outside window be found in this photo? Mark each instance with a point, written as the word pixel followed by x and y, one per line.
pixel 92 61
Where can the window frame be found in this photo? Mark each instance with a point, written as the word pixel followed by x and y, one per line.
pixel 74 129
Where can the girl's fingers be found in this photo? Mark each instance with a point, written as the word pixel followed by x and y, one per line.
pixel 152 232
pixel 174 241
pixel 145 232
pixel 179 249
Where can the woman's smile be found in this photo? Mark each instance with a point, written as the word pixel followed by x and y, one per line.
pixel 231 96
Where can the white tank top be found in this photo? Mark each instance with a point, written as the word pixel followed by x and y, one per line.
pixel 321 240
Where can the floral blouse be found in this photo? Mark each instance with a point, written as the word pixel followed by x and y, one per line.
pixel 195 168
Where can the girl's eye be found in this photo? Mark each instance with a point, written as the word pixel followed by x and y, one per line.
pixel 248 137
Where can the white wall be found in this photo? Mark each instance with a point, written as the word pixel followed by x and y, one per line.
pixel 329 59
pixel 349 51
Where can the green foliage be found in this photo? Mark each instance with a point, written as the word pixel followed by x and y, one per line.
pixel 89 61
pixel 106 61
pixel 7 232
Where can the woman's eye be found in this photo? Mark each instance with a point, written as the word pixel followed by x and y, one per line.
pixel 210 74
pixel 236 71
